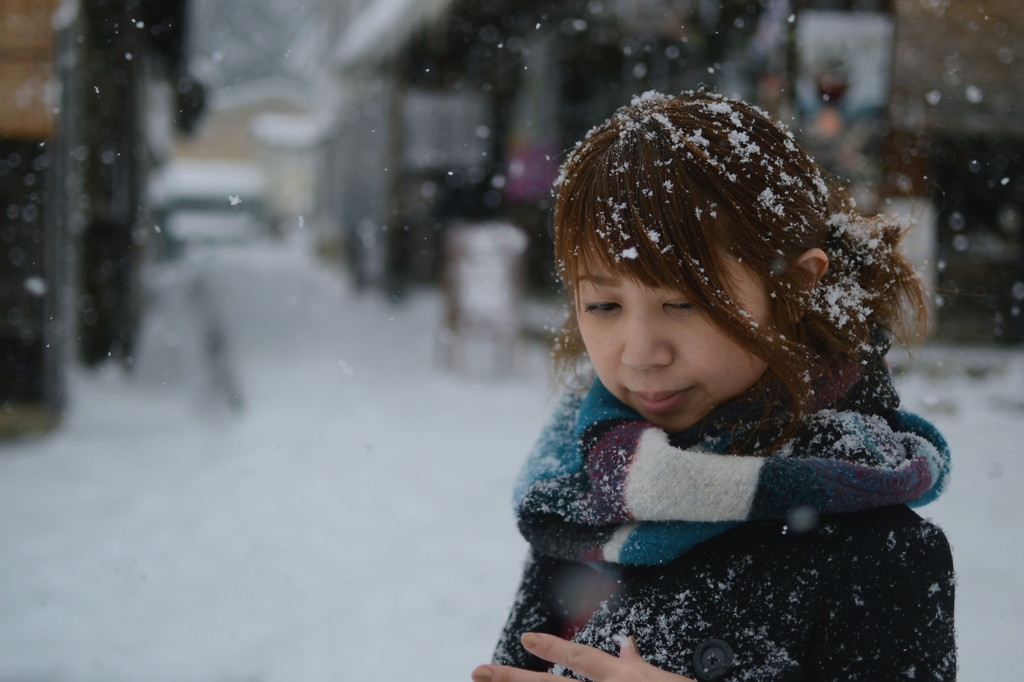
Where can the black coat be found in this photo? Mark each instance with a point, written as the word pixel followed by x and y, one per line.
pixel 864 596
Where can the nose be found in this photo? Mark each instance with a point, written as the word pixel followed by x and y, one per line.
pixel 645 344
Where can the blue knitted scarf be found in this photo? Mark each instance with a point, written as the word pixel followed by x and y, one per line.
pixel 602 484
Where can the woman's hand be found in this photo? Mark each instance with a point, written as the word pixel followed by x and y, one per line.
pixel 592 663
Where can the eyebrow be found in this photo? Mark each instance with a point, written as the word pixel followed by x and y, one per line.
pixel 600 279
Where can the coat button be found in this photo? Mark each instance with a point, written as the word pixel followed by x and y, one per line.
pixel 712 660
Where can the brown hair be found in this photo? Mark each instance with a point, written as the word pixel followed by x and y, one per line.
pixel 668 187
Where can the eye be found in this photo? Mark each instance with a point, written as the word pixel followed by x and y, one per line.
pixel 679 306
pixel 600 308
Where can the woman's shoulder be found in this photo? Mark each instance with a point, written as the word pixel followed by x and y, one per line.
pixel 891 552
pixel 886 531
pixel 889 544
pixel 893 534
pixel 892 594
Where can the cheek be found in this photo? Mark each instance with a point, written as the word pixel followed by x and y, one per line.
pixel 594 343
pixel 747 370
pixel 592 332
pixel 733 362
pixel 599 344
pixel 583 327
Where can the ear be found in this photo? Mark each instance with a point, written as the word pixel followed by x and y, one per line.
pixel 812 265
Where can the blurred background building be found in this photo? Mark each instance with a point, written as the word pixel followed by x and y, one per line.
pixel 81 88
pixel 378 125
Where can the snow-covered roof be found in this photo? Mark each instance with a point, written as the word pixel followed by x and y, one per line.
pixel 274 88
pixel 382 27
pixel 287 130
pixel 192 179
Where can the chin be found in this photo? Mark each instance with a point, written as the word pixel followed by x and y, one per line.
pixel 672 425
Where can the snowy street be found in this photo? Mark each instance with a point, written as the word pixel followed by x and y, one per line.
pixel 289 487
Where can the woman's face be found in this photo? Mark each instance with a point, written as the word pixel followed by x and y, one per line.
pixel 659 354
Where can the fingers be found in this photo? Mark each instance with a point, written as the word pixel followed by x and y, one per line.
pixel 502 673
pixel 584 660
pixel 587 661
pixel 627 649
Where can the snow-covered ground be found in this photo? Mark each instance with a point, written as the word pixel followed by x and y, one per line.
pixel 290 487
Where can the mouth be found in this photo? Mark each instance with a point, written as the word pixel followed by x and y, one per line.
pixel 659 402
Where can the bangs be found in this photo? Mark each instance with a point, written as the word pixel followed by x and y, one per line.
pixel 666 187
pixel 634 249
pixel 630 206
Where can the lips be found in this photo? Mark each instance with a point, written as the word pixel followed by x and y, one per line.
pixel 659 402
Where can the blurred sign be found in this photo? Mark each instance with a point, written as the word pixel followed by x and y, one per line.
pixel 26 68
pixel 483 298
pixel 445 129
pixel 842 89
